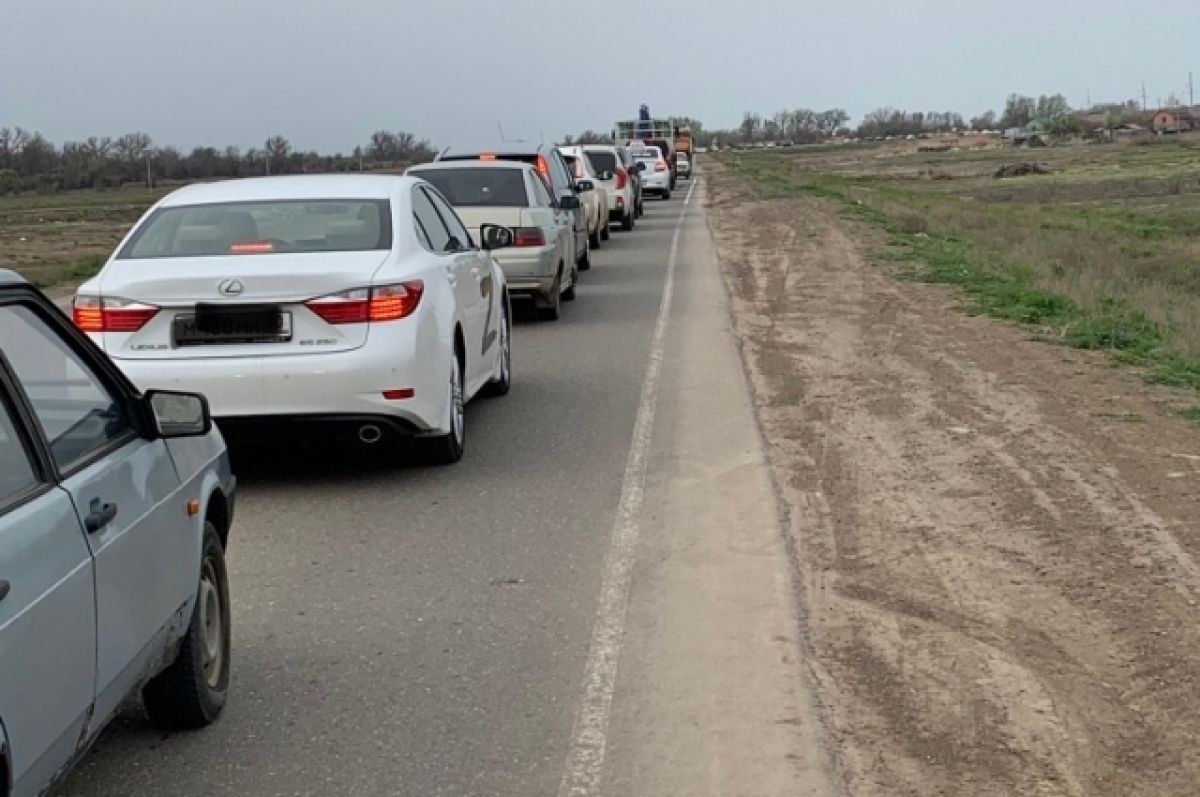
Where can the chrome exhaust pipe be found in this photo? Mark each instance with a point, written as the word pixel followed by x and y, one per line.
pixel 370 434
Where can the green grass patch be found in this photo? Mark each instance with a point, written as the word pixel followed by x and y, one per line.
pixel 1190 414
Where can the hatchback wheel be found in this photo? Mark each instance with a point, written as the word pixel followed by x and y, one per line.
pixel 191 692
pixel 627 222
pixel 585 262
pixel 604 233
pixel 594 238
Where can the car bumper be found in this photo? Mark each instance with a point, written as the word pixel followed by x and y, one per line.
pixel 531 271
pixel 343 384
pixel 657 184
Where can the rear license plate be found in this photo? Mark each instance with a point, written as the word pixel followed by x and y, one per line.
pixel 238 324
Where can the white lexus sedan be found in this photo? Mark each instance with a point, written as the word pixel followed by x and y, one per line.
pixel 356 302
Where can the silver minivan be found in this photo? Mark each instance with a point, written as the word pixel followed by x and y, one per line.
pixel 115 511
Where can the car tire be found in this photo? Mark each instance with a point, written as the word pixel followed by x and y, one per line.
pixel 501 383
pixel 585 262
pixel 627 221
pixel 191 691
pixel 594 239
pixel 666 194
pixel 446 449
pixel 641 208
pixel 604 233
pixel 550 308
pixel 569 294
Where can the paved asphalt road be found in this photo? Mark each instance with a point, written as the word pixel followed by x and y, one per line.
pixel 424 631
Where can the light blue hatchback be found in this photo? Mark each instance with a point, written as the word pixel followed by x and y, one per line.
pixel 115 510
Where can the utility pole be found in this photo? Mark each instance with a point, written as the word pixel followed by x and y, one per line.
pixel 149 178
pixel 1191 92
pixel 1143 95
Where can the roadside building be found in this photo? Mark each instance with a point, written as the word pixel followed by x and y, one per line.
pixel 1176 120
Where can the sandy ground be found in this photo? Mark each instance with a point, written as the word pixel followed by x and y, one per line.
pixel 996 538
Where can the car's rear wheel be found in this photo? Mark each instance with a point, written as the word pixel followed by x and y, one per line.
pixel 191 692
pixel 594 238
pixel 569 294
pixel 666 194
pixel 550 307
pixel 585 262
pixel 604 233
pixel 446 449
pixel 627 221
pixel 502 380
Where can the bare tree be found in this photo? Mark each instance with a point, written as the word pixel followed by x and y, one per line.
pixel 277 150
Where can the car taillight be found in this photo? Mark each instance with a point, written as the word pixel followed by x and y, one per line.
pixel 660 166
pixel 543 168
pixel 622 178
pixel 362 305
pixel 94 314
pixel 528 236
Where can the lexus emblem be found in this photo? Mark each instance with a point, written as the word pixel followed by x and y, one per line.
pixel 231 287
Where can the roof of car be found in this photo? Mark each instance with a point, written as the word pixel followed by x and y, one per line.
pixel 317 186
pixel 10 277
pixel 497 164
pixel 502 148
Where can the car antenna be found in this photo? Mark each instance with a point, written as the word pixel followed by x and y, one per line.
pixel 500 127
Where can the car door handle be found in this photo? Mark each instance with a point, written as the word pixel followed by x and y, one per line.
pixel 100 516
pixel 4 588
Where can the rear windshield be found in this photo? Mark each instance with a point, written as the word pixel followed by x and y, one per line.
pixel 271 227
pixel 647 154
pixel 479 188
pixel 603 161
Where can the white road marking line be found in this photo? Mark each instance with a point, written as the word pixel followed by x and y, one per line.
pixel 585 756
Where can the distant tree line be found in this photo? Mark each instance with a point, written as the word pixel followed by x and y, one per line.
pixel 799 126
pixel 893 122
pixel 29 162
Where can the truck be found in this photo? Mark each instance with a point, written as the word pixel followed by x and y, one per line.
pixel 648 131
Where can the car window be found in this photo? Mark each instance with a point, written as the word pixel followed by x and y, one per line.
pixel 263 228
pixel 457 230
pixel 17 475
pixel 576 166
pixel 77 412
pixel 558 170
pixel 429 224
pixel 603 161
pixel 479 188
pixel 540 193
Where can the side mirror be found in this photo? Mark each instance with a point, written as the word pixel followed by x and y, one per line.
pixel 178 414
pixel 569 203
pixel 606 176
pixel 586 185
pixel 493 236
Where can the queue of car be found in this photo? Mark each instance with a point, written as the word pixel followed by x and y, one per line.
pixel 370 307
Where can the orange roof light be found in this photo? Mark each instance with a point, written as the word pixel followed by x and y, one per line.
pixel 488 156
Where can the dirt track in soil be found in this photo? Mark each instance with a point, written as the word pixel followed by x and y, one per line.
pixel 997 538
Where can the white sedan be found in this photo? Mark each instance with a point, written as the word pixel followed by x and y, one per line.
pixel 357 302
pixel 540 265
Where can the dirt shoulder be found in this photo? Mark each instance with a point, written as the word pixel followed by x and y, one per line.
pixel 997 538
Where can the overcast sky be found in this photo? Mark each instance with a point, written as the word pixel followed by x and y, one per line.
pixel 326 74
